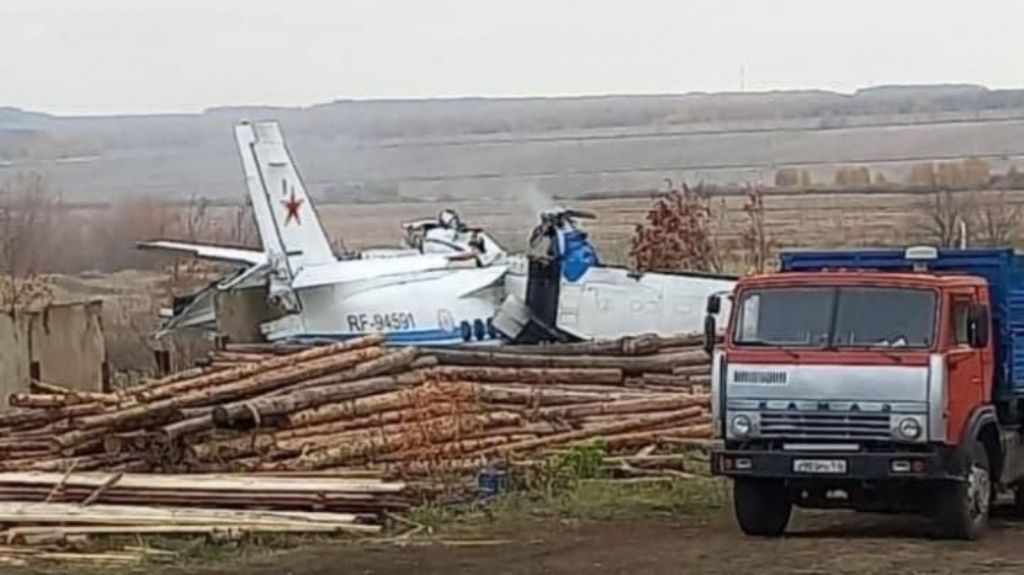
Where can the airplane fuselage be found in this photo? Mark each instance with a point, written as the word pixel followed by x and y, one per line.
pixel 431 307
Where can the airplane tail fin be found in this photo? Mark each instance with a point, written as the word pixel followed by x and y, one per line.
pixel 285 216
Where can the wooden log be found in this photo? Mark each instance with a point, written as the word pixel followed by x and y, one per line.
pixel 106 559
pixel 103 487
pixel 164 529
pixel 36 386
pixel 667 380
pixel 17 446
pixel 116 443
pixel 448 455
pixel 532 396
pixel 554 394
pixel 69 440
pixel 696 429
pixel 388 411
pixel 238 357
pixel 183 375
pixel 698 369
pixel 651 363
pixel 208 483
pixel 702 431
pixel 694 443
pixel 55 401
pixel 594 432
pixel 360 407
pixel 266 348
pixel 422 433
pixel 190 412
pixel 104 514
pixel 391 362
pixel 59 464
pixel 246 412
pixel 246 371
pixel 623 407
pixel 637 345
pixel 384 424
pixel 530 375
pixel 682 340
pixel 256 384
pixel 178 429
pixel 29 418
pixel 351 502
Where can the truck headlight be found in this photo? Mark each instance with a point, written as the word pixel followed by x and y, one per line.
pixel 909 428
pixel 740 425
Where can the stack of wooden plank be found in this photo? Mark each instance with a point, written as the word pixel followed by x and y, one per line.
pixel 53 516
pixel 367 496
pixel 360 405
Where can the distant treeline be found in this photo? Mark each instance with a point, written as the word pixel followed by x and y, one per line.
pixel 22 133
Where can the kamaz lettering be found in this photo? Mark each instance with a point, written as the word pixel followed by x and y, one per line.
pixel 760 377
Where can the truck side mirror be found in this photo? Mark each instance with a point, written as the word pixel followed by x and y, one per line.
pixel 710 333
pixel 714 304
pixel 978 326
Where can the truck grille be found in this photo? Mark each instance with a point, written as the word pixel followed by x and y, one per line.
pixel 825 425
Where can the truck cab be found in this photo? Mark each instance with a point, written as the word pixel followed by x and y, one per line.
pixel 877 380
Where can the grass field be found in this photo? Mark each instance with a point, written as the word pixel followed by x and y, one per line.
pixel 792 220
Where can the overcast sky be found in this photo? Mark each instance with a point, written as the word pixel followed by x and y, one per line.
pixel 115 56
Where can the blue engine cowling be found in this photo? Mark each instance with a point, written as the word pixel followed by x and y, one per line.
pixel 576 253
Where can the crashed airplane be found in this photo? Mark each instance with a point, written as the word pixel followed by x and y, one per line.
pixel 413 298
pixel 448 284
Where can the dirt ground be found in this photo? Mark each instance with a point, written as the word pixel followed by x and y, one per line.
pixel 818 543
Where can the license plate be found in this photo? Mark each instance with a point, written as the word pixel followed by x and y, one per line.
pixel 819 466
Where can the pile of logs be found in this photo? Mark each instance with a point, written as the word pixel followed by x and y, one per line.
pixel 360 405
pixel 268 438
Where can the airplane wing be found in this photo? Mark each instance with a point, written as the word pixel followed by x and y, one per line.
pixel 357 270
pixel 208 252
pixel 484 278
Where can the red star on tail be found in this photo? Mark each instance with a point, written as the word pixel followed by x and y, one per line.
pixel 292 206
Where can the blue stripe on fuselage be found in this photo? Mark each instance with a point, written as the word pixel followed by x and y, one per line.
pixel 413 337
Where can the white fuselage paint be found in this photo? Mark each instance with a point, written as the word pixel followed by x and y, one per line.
pixel 610 302
pixel 429 307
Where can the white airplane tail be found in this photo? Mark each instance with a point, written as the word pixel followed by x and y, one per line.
pixel 285 216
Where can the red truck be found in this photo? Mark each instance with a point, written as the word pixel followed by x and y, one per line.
pixel 875 380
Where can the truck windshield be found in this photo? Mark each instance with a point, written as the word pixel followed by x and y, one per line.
pixel 837 317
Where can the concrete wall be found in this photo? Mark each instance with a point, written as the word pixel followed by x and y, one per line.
pixel 63 343
pixel 14 356
pixel 66 345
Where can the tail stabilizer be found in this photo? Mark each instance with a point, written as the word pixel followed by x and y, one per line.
pixel 285 216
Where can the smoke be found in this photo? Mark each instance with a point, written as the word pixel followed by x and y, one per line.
pixel 536 200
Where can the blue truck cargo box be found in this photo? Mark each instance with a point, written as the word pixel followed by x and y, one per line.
pixel 1003 269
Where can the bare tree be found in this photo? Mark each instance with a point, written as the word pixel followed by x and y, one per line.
pixel 196 220
pixel 25 207
pixel 758 247
pixel 996 222
pixel 243 226
pixel 945 217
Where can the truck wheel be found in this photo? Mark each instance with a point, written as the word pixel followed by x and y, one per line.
pixel 762 506
pixel 962 507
